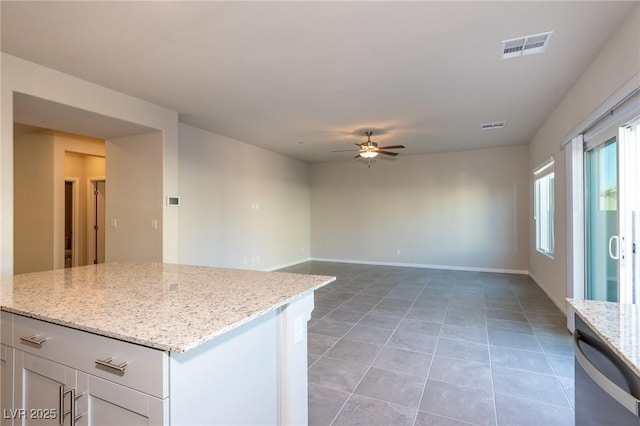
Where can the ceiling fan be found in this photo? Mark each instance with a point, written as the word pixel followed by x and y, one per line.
pixel 371 149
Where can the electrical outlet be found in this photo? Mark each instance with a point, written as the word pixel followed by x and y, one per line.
pixel 113 223
pixel 397 252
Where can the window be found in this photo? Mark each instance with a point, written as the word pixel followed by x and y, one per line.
pixel 543 178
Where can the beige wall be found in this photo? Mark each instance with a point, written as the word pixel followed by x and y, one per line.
pixel 33 202
pixel 25 77
pixel 464 210
pixel 134 198
pixel 240 203
pixel 614 65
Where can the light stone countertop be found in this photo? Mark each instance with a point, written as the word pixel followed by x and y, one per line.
pixel 618 325
pixel 164 306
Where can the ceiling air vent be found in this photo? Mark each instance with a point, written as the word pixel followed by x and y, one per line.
pixel 491 126
pixel 527 45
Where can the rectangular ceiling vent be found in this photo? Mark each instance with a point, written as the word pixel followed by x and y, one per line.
pixel 492 126
pixel 527 45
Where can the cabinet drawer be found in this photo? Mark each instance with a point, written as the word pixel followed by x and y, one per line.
pixel 146 369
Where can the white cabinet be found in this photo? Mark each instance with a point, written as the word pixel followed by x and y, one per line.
pixel 6 376
pixel 104 403
pixel 87 379
pixel 41 386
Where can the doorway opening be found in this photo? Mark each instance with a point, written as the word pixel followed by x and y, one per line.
pixel 71 213
pixel 96 196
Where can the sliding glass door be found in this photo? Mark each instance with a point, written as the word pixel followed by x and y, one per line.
pixel 601 221
pixel 612 216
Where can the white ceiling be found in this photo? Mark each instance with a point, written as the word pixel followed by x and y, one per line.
pixel 305 78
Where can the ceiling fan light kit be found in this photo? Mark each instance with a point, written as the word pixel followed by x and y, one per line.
pixel 371 149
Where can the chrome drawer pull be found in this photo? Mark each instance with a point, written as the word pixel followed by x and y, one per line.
pixel 107 363
pixel 34 340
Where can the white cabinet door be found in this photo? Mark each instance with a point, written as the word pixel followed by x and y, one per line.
pixel 41 386
pixel 6 380
pixel 105 403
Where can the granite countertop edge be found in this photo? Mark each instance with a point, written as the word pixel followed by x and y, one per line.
pixel 609 337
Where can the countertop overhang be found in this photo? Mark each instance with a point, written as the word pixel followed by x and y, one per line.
pixel 617 324
pixel 164 306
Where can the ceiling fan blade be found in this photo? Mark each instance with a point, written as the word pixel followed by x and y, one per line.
pixel 357 156
pixel 387 153
pixel 345 150
pixel 391 147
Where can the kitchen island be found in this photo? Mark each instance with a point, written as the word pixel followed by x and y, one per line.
pixel 153 343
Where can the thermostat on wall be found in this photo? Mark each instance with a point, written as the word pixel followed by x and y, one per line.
pixel 173 201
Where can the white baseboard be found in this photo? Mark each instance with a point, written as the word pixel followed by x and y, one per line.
pixel 562 305
pixel 422 265
pixel 286 265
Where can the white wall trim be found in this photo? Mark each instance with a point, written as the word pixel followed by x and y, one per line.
pixel 562 305
pixel 426 266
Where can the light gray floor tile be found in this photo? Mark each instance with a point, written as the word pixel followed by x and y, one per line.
pixel 318 344
pixel 502 314
pixel 392 311
pixel 373 335
pixel 459 402
pixel 356 306
pixel 336 374
pixel 461 372
pixel 311 359
pixel 403 361
pixel 412 341
pixel 364 298
pixel 360 410
pixel 512 326
pixel 531 360
pixel 428 419
pixel 390 386
pixel 514 340
pixel 324 404
pixel 330 327
pixel 354 351
pixel 460 318
pixel 434 314
pixel 345 316
pixel 319 312
pixel 540 387
pixel 535 362
pixel 516 411
pixel 557 345
pixel 419 327
pixel 470 334
pixel 461 349
pixel 380 321
pixel 569 390
pixel 392 301
pixel 562 365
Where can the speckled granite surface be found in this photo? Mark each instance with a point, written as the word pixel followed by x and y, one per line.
pixel 616 324
pixel 163 306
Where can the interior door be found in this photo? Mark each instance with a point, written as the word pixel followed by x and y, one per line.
pixel 601 221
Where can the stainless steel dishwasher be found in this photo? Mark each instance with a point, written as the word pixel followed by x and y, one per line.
pixel 607 390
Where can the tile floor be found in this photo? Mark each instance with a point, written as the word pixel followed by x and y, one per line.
pixel 396 346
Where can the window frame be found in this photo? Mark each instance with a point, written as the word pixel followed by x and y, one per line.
pixel 544 207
